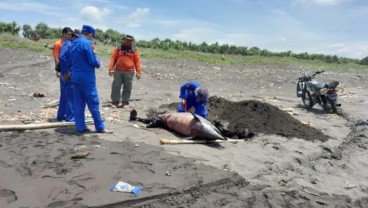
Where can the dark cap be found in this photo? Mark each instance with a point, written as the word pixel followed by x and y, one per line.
pixel 66 30
pixel 128 37
pixel 76 33
pixel 201 92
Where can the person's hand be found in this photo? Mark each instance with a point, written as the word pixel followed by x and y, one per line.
pixel 138 76
pixel 184 103
pixel 67 76
pixel 58 74
pixel 111 73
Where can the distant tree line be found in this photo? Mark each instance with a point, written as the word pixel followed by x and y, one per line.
pixel 114 37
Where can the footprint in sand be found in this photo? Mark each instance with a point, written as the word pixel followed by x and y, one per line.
pixel 8 195
pixel 4 164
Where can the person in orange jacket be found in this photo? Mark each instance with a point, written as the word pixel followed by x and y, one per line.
pixel 124 62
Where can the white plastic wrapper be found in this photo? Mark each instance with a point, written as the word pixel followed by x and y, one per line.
pixel 126 187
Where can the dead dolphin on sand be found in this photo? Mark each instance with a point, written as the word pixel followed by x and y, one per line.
pixel 187 124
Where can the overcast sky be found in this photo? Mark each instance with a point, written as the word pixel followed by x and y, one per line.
pixel 334 27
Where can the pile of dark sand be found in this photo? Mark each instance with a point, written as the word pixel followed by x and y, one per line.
pixel 258 117
pixel 246 118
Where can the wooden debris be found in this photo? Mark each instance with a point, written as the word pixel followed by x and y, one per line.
pixel 183 141
pixel 308 192
pixel 80 155
pixel 52 104
pixel 35 126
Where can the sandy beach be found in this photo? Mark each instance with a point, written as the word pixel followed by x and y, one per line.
pixel 296 158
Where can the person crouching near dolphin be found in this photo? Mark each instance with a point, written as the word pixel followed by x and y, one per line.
pixel 193 95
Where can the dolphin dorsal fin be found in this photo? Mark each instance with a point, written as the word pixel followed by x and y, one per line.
pixel 195 116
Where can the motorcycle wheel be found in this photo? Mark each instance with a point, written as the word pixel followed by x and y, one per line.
pixel 307 99
pixel 329 106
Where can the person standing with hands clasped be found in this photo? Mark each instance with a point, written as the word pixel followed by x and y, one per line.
pixel 124 62
pixel 83 62
pixel 66 98
pixel 66 34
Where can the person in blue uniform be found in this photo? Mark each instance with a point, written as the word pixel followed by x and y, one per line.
pixel 193 95
pixel 66 98
pixel 84 62
pixel 56 51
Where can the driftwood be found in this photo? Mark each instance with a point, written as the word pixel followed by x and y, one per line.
pixel 35 126
pixel 183 141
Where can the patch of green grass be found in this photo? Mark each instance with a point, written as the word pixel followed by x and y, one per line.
pixel 282 62
pixel 45 45
pixel 11 41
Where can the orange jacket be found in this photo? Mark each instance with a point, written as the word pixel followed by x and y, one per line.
pixel 56 49
pixel 125 58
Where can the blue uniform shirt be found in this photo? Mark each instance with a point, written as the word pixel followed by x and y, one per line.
pixel 65 64
pixel 187 92
pixel 84 61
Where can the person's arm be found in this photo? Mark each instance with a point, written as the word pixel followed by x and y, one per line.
pixel 67 74
pixel 91 56
pixel 113 60
pixel 137 63
pixel 203 102
pixel 183 91
pixel 55 53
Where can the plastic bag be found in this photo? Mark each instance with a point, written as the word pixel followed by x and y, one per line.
pixel 126 187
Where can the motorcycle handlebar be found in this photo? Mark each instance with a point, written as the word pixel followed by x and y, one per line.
pixel 310 77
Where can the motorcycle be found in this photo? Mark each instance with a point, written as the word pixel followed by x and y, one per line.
pixel 313 92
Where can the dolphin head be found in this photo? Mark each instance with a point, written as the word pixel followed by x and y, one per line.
pixel 206 130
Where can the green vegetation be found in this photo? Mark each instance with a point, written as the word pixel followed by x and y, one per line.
pixel 12 41
pixel 156 48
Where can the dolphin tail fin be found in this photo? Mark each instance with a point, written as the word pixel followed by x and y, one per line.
pixel 134 117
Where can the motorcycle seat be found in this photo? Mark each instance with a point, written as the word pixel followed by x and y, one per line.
pixel 316 86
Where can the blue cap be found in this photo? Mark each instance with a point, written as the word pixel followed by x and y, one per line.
pixel 89 29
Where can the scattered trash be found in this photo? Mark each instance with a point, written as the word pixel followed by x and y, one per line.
pixel 79 147
pixel 80 155
pixel 349 186
pixel 307 123
pixel 226 167
pixel 136 126
pixel 97 146
pixel 28 121
pixel 126 187
pixel 168 173
pixel 290 111
pixel 136 145
pixel 37 94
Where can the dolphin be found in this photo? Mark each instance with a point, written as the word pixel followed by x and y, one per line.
pixel 187 124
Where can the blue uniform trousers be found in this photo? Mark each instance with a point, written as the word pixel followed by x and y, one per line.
pixel 65 110
pixel 69 99
pixel 62 102
pixel 86 93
